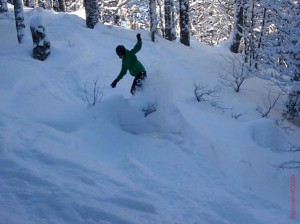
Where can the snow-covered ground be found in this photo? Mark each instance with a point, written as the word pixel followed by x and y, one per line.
pixel 63 162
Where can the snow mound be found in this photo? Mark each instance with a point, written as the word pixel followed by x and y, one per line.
pixel 267 134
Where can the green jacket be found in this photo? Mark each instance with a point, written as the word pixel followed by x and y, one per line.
pixel 131 63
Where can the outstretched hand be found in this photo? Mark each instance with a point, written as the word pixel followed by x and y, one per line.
pixel 114 84
pixel 138 36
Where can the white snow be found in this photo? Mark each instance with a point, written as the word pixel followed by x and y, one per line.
pixel 64 162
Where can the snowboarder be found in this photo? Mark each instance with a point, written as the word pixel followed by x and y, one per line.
pixel 131 63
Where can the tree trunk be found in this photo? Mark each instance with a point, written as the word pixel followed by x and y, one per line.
pixel 62 5
pixel 184 22
pixel 153 18
pixel 293 104
pixel 29 3
pixel 173 23
pixel 19 18
pixel 92 13
pixel 45 4
pixel 168 20
pixel 261 34
pixel 42 4
pixel 49 4
pixel 238 27
pixel 262 28
pixel 161 24
pixel 252 38
pixel 3 6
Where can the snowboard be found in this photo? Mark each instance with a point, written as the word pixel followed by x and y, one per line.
pixel 149 110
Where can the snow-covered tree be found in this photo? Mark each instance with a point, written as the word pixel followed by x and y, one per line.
pixel 108 12
pixel 131 14
pixel 3 6
pixel 43 4
pixel 170 17
pixel 135 15
pixel 64 5
pixel 160 18
pixel 211 21
pixel 19 18
pixel 267 34
pixel 73 5
pixel 280 49
pixel 153 18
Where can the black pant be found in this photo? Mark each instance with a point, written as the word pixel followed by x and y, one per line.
pixel 138 82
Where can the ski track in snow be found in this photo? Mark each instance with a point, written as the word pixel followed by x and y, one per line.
pixel 64 162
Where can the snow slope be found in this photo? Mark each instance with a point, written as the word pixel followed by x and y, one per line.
pixel 64 162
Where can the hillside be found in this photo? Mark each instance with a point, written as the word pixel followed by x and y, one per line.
pixel 65 162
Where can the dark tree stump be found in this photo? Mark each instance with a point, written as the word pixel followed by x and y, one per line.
pixel 41 44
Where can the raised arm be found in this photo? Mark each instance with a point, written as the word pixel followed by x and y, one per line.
pixel 138 44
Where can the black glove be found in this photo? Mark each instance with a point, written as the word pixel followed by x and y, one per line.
pixel 138 36
pixel 114 84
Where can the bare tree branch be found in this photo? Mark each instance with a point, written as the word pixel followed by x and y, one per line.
pixel 289 165
pixel 202 93
pixel 236 116
pixel 97 93
pixel 236 72
pixel 293 148
pixel 270 104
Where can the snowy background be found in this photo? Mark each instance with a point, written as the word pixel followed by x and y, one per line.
pixel 65 162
